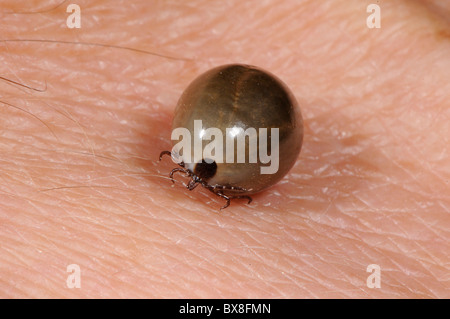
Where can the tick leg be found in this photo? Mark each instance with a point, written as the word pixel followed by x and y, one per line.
pixel 228 198
pixel 164 153
pixel 177 169
pixel 192 184
pixel 242 196
pixel 233 188
pixel 224 197
pixel 170 154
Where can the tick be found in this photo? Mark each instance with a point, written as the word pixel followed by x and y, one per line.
pixel 245 131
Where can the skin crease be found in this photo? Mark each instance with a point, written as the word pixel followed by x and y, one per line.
pixel 80 183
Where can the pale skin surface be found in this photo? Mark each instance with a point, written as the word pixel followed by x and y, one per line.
pixel 80 183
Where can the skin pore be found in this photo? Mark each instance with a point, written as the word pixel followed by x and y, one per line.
pixel 80 182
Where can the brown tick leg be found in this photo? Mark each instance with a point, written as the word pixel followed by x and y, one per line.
pixel 228 198
pixel 238 196
pixel 170 154
pixel 164 153
pixel 242 196
pixel 192 184
pixel 224 197
pixel 177 169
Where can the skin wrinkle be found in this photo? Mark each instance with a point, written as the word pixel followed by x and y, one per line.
pixel 166 240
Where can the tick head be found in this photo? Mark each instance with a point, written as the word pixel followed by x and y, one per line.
pixel 205 169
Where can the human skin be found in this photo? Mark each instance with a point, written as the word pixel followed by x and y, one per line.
pixel 80 182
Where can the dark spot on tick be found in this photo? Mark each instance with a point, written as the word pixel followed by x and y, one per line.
pixel 205 169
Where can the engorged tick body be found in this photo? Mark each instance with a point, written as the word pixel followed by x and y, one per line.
pixel 241 101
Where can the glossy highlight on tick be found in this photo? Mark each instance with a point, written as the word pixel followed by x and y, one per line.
pixel 238 101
